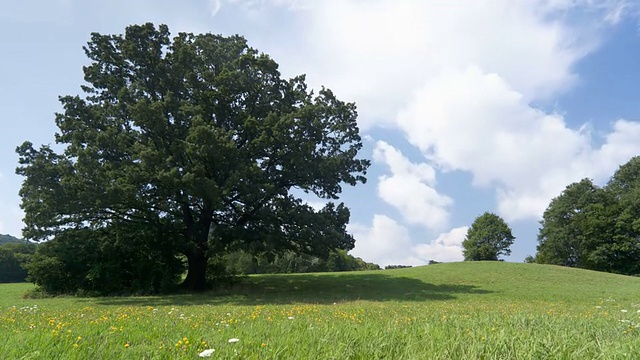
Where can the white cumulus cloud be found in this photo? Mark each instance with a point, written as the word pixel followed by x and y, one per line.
pixel 411 189
pixel 446 247
pixel 471 120
pixel 377 53
pixel 385 242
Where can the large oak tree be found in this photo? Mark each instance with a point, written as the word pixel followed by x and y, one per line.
pixel 198 139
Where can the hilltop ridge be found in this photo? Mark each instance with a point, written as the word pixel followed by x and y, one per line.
pixel 10 239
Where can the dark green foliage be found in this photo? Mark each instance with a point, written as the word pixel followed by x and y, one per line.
pixel 119 259
pixel 595 228
pixel 196 144
pixel 13 254
pixel 530 259
pixel 488 238
pixel 574 225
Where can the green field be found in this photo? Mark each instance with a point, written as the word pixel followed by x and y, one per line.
pixel 472 310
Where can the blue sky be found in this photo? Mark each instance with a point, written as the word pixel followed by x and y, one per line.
pixel 465 106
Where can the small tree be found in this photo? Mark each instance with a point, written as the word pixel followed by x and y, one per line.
pixel 487 239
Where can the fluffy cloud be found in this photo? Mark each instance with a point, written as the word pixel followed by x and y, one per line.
pixel 378 53
pixel 386 242
pixel 475 121
pixel 411 188
pixel 446 247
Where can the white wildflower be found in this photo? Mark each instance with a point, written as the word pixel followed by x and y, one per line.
pixel 234 340
pixel 207 353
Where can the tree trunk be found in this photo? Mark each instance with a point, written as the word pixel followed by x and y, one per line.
pixel 197 271
pixel 197 259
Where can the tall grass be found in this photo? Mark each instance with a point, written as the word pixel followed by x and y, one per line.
pixel 444 311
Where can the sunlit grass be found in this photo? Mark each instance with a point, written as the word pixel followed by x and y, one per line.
pixel 445 311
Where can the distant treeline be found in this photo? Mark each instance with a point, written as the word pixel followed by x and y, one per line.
pixel 244 263
pixel 390 267
pixel 4 239
pixel 13 253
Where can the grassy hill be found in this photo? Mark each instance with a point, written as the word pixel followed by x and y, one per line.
pixel 462 281
pixel 470 310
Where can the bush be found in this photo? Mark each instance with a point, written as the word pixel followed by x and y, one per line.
pixel 12 257
pixel 111 261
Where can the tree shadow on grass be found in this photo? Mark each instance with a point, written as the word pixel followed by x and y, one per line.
pixel 308 288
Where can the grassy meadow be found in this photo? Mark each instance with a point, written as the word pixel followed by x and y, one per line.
pixel 472 310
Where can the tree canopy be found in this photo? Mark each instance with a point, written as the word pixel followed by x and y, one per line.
pixel 573 224
pixel 194 144
pixel 488 237
pixel 595 228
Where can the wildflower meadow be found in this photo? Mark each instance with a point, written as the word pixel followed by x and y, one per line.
pixel 445 311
